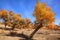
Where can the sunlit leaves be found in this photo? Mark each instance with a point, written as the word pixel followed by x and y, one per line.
pixel 16 17
pixel 44 13
pixel 4 13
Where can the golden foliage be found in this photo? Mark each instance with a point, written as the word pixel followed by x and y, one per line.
pixel 16 17
pixel 41 12
pixel 44 13
pixel 4 13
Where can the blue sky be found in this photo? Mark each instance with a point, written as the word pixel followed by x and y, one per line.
pixel 26 7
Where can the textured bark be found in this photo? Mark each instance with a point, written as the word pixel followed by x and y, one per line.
pixel 33 33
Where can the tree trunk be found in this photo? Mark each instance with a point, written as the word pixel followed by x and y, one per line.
pixel 33 33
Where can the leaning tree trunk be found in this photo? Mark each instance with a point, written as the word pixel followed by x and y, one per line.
pixel 33 33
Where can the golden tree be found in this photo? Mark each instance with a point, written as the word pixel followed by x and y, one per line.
pixel 51 26
pixel 16 18
pixel 0 14
pixel 28 23
pixel 10 22
pixel 43 13
pixel 4 15
pixel 44 16
pixel 20 23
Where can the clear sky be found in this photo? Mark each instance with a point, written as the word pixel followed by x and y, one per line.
pixel 26 7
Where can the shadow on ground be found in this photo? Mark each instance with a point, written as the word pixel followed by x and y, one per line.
pixel 23 36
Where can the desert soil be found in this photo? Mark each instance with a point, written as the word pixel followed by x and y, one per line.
pixel 40 35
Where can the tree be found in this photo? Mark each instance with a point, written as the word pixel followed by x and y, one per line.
pixel 10 22
pixel 44 16
pixel 4 16
pixel 51 26
pixel 16 18
pixel 21 23
pixel 43 13
pixel 0 14
pixel 28 23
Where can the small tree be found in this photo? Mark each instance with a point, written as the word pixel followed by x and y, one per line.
pixel 16 18
pixel 5 16
pixel 28 23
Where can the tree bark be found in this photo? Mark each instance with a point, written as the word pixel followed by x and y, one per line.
pixel 33 33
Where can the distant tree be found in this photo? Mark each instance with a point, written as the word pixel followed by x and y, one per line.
pixel 28 23
pixel 10 22
pixel 16 19
pixel 20 23
pixel 51 26
pixel 0 14
pixel 4 16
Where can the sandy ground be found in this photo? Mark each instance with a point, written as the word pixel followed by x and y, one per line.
pixel 40 35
